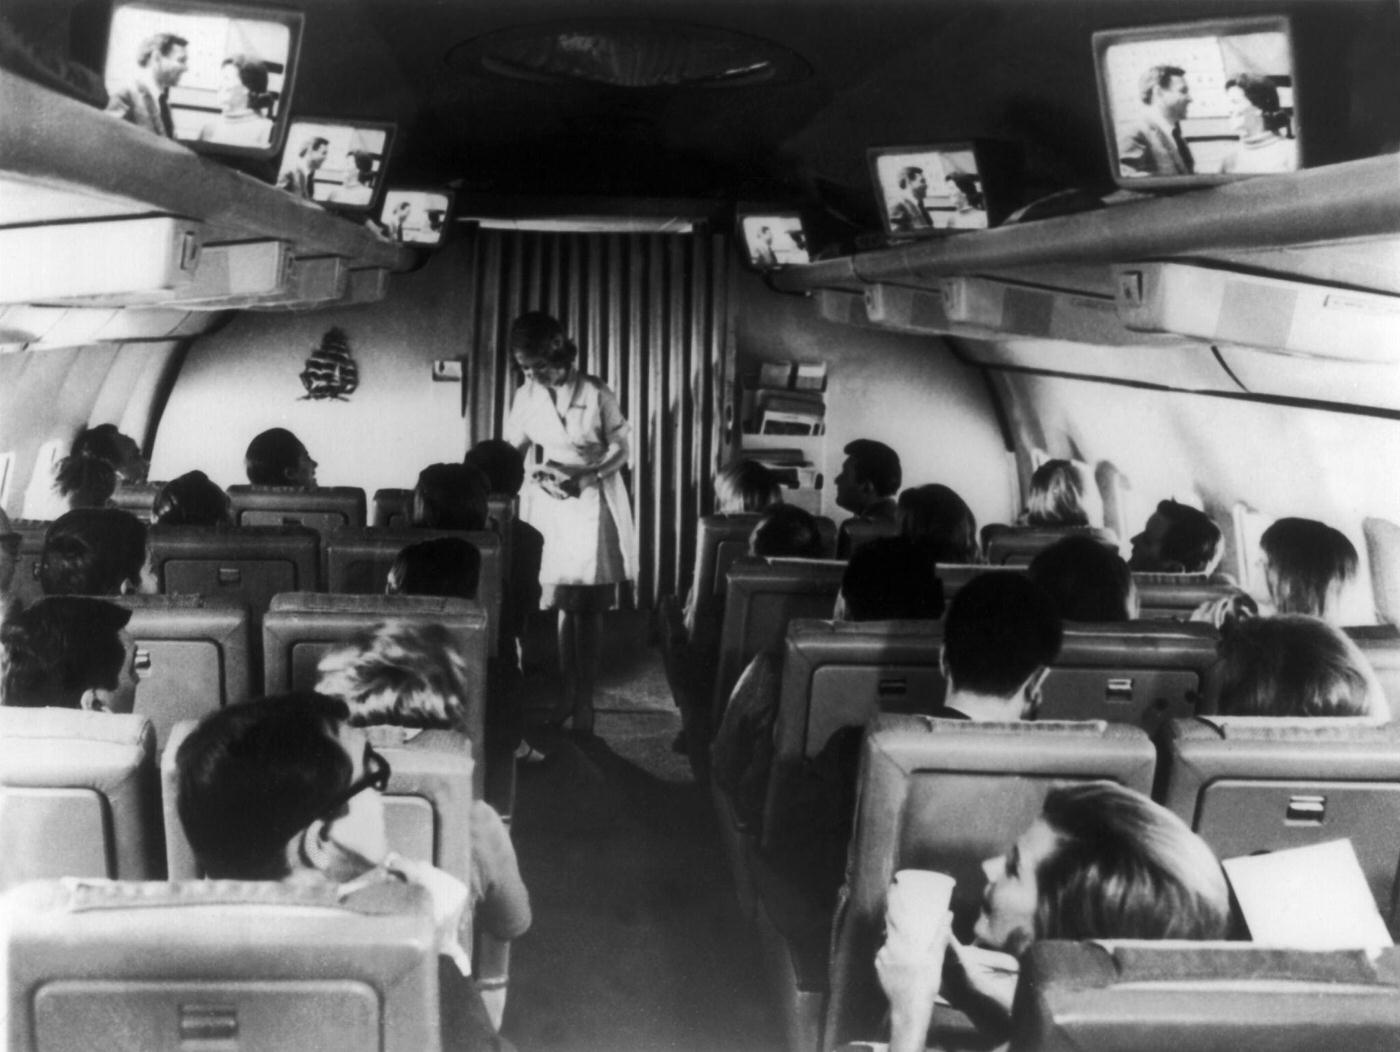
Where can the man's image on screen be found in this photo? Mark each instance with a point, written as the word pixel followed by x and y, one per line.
pixel 907 212
pixel 763 254
pixel 299 177
pixel 1153 144
pixel 144 101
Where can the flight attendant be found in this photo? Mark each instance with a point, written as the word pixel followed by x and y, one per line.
pixel 576 499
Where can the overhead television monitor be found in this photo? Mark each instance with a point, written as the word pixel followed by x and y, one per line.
pixel 416 216
pixel 934 189
pixel 337 163
pixel 216 77
pixel 1198 102
pixel 773 238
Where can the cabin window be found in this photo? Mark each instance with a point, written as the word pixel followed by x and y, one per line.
pixel 40 501
pixel 1249 525
pixel 7 463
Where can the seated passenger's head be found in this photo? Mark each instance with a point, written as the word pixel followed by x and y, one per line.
pixel 191 500
pixel 450 497
pixel 1103 862
pixel 443 566
pixel 105 442
pixel 1307 565
pixel 94 551
pixel 85 482
pixel 786 531
pixel 1087 580
pixel 940 521
pixel 68 652
pixel 871 473
pixel 501 463
pixel 403 673
pixel 892 579
pixel 277 458
pixel 999 638
pixel 281 784
pixel 745 485
pixel 1294 665
pixel 1057 496
pixel 1177 539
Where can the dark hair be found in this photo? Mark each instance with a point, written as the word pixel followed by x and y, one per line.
pixel 501 463
pixel 746 485
pixel 877 464
pixel 272 456
pixel 104 442
pixel 85 482
pixel 158 43
pixel 1309 560
pixel 787 530
pixel 891 578
pixel 451 497
pixel 254 774
pixel 443 566
pixel 92 551
pixel 364 166
pixel 907 174
pixel 1157 77
pixel 252 74
pixel 58 648
pixel 313 143
pixel 540 335
pixel 193 499
pixel 967 183
pixel 938 520
pixel 1057 496
pixel 1294 665
pixel 1000 628
pixel 1086 579
pixel 1263 96
pixel 1192 539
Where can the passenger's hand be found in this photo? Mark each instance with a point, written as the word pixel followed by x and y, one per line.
pixel 911 972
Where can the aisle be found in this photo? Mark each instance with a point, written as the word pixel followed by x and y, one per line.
pixel 637 942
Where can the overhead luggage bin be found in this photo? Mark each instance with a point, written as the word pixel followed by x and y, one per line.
pixel 125 256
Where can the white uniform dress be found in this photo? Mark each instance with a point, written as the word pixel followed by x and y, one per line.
pixel 588 539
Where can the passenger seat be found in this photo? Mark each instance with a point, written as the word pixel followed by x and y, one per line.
pixel 1018 545
pixel 320 509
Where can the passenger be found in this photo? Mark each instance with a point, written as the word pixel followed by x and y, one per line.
pixel 1101 862
pixel 85 482
pixel 1087 580
pixel 786 532
pixel 745 486
pixel 578 500
pixel 193 499
pixel 71 653
pixel 1177 539
pixel 244 102
pixel 443 566
pixel 95 551
pixel 450 497
pixel 1057 496
pixel 939 521
pixel 105 442
pixel 1262 126
pixel 1294 665
pixel 284 789
pixel 866 486
pixel 1307 565
pixel 277 458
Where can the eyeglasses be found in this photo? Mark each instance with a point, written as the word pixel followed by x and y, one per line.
pixel 376 777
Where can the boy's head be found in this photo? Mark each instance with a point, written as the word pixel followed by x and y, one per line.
pixel 501 463
pixel 891 578
pixel 94 551
pixel 68 652
pixel 1001 634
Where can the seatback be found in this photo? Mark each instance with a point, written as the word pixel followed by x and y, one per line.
pixel 762 596
pixel 130 967
pixel 1131 996
pixel 193 655
pixel 138 498
pixel 946 795
pixel 320 509
pixel 250 563
pixel 358 559
pixel 1252 784
pixel 843 674
pixel 860 532
pixel 720 541
pixel 1018 545
pixel 1381 645
pixel 78 796
pixel 954 576
pixel 25 586
pixel 393 508
pixel 1140 672
pixel 1175 596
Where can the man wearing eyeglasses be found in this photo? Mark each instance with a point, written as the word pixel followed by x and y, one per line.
pixel 283 788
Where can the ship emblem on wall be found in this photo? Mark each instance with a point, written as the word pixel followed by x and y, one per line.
pixel 330 371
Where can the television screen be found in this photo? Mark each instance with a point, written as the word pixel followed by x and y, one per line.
pixel 930 189
pixel 773 239
pixel 339 164
pixel 1198 103
pixel 416 217
pixel 217 77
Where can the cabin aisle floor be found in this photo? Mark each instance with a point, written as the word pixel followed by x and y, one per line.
pixel 637 941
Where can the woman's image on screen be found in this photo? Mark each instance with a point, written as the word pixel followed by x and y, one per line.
pixel 415 217
pixel 339 164
pixel 774 240
pixel 923 190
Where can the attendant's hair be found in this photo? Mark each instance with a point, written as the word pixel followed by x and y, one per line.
pixel 1057 496
pixel 272 456
pixel 746 485
pixel 539 334
pixel 891 578
pixel 1294 665
pixel 158 44
pixel 1000 628
pixel 404 673
pixel 193 499
pixel 1086 579
pixel 252 74
pixel 1192 539
pixel 1263 96
pixel 57 648
pixel 85 482
pixel 253 775
pixel 502 464
pixel 1125 868
pixel 938 520
pixel 1157 77
pixel 787 531
pixel 1311 562
pixel 443 566
pixel 92 551
pixel 877 464
pixel 451 497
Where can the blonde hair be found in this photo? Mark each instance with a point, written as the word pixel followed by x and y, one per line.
pixel 405 673
pixel 1057 496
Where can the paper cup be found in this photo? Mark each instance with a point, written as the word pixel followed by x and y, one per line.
pixel 916 904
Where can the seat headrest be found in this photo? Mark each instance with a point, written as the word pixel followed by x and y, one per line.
pixel 388 605
pixel 36 724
